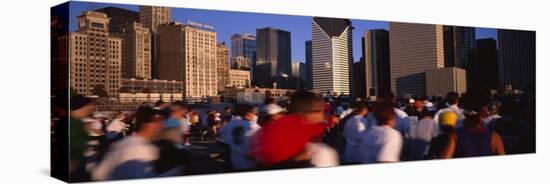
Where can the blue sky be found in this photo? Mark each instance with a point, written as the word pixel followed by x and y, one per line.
pixel 227 23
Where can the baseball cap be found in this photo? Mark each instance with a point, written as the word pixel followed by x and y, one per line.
pixel 272 109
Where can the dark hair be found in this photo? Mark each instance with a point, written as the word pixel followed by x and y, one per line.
pixel 384 113
pixel 145 115
pixel 79 101
pixel 302 100
pixel 180 104
pixel 269 100
pixel 243 109
pixel 159 102
pixel 452 97
pixel 360 105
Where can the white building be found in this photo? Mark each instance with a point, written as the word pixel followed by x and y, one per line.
pixel 332 57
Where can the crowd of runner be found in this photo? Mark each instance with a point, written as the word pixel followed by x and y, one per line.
pixel 307 131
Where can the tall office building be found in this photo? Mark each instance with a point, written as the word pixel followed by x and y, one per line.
pixel 376 54
pixel 299 70
pixel 120 18
pixel 460 43
pixel 136 49
pixel 136 41
pixel 516 51
pixel 484 69
pixel 309 66
pixel 244 45
pixel 222 61
pixel 188 53
pixel 359 87
pixel 273 55
pixel 95 57
pixel 332 57
pixel 152 17
pixel 414 48
pixel 240 63
pixel 59 48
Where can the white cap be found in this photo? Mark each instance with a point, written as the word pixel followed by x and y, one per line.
pixel 411 100
pixel 272 109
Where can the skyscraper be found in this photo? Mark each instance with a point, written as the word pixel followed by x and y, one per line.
pixel 152 17
pixel 376 53
pixel 244 45
pixel 414 48
pixel 309 65
pixel 484 69
pixel 516 51
pixel 222 61
pixel 460 43
pixel 120 18
pixel 95 57
pixel 359 87
pixel 188 53
pixel 136 41
pixel 440 81
pixel 332 57
pixel 273 55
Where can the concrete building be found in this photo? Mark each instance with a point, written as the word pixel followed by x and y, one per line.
pixel 239 78
pixel 95 57
pixel 136 49
pixel 441 81
pixel 240 63
pixel 255 95
pixel 152 17
pixel 188 53
pixel 222 61
pixel 516 59
pixel 332 58
pixel 414 48
pixel 273 55
pixel 120 18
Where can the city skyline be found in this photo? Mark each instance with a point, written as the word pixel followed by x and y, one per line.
pixel 225 24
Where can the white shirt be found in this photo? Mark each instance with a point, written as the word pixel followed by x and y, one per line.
pixel 353 131
pixel 402 123
pixel 116 126
pixel 381 144
pixel 239 150
pixel 134 148
pixel 322 155
pixel 419 138
pixel 346 113
pixel 185 125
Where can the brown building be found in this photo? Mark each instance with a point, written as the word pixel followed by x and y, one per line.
pixel 188 53
pixel 440 81
pixel 95 57
pixel 136 49
pixel 152 17
pixel 239 78
pixel 414 48
pixel 222 61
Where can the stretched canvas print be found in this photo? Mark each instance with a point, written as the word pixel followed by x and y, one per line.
pixel 145 91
